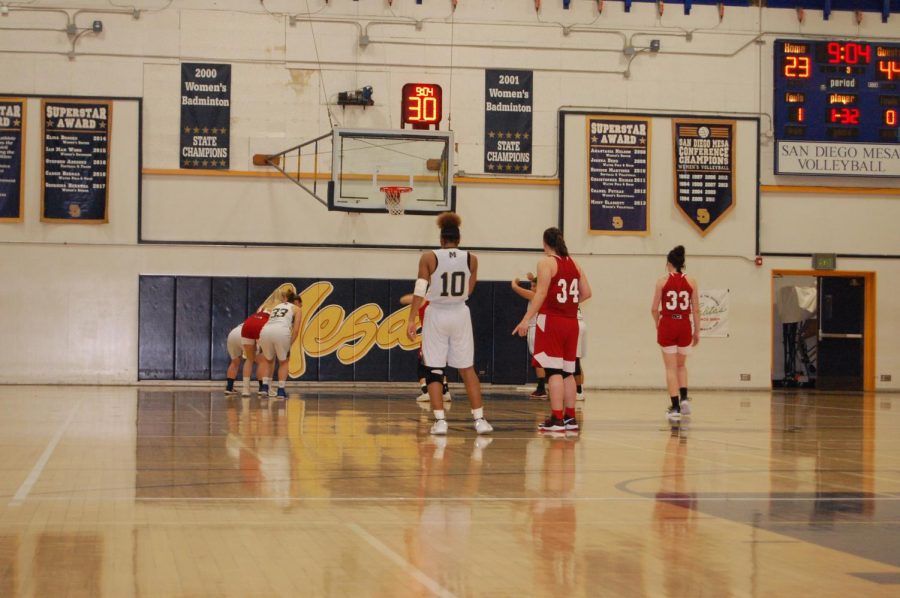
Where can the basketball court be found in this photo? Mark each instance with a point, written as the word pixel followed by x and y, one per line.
pixel 168 172
pixel 342 492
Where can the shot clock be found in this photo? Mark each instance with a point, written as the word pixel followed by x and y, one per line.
pixel 837 107
pixel 421 106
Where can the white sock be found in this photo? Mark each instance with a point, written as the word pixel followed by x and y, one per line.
pixel 478 413
pixel 438 414
pixel 281 384
pixel 266 380
pixel 246 385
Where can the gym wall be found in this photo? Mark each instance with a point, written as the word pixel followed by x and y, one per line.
pixel 72 293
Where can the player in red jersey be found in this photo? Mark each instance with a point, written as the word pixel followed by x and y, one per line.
pixel 249 338
pixel 561 285
pixel 674 302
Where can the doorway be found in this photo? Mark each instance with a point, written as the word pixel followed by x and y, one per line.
pixel 823 333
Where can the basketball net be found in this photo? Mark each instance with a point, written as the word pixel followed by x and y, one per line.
pixel 392 199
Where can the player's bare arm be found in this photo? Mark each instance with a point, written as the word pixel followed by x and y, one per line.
pixel 657 297
pixel 545 271
pixel 524 293
pixel 584 286
pixel 295 329
pixel 427 264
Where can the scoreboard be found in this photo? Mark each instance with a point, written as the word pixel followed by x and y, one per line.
pixel 837 107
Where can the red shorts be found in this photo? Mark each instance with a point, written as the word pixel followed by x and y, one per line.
pixel 253 325
pixel 555 342
pixel 674 333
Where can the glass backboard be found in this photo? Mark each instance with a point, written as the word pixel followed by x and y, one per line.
pixel 365 160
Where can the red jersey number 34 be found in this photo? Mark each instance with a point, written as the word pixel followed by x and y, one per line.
pixel 567 290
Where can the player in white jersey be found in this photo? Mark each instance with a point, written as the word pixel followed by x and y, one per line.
pixel 235 352
pixel 582 351
pixel 446 278
pixel 541 391
pixel 278 335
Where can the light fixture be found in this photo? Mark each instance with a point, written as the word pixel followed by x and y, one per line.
pixel 97 26
pixel 654 45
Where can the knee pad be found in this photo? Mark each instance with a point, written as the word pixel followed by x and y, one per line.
pixel 557 372
pixel 553 372
pixel 421 371
pixel 434 375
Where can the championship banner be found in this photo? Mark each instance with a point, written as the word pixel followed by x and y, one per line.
pixel 205 116
pixel 508 121
pixel 12 163
pixel 75 165
pixel 618 163
pixel 704 170
pixel 714 312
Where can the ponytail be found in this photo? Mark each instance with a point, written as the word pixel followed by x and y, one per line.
pixel 676 257
pixel 553 237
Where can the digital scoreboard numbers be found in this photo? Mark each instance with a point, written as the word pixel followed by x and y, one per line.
pixel 422 105
pixel 837 108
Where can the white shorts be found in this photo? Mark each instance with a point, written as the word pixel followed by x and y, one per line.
pixel 582 339
pixel 676 349
pixel 248 341
pixel 447 337
pixel 532 323
pixel 234 343
pixel 275 342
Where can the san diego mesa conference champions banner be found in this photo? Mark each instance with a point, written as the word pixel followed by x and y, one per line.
pixel 618 167
pixel 12 164
pixel 75 162
pixel 205 116
pixel 508 101
pixel 704 170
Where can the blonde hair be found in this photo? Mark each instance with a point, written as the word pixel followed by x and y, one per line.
pixel 279 295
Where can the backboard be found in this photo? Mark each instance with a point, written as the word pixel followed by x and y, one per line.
pixel 364 160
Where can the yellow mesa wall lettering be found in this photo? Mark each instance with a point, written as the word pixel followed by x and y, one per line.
pixel 326 330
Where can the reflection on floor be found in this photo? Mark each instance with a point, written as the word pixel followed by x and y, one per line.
pixel 340 491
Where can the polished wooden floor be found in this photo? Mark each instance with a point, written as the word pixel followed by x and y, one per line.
pixel 153 491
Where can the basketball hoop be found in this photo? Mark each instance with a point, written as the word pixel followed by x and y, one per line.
pixel 392 199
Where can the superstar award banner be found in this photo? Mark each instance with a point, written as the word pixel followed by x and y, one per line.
pixel 714 312
pixel 508 101
pixel 205 116
pixel 12 164
pixel 704 170
pixel 618 167
pixel 76 153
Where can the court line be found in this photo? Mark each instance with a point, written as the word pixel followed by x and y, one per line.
pixel 417 573
pixel 25 489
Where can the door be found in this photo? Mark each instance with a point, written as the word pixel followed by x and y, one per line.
pixel 841 325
